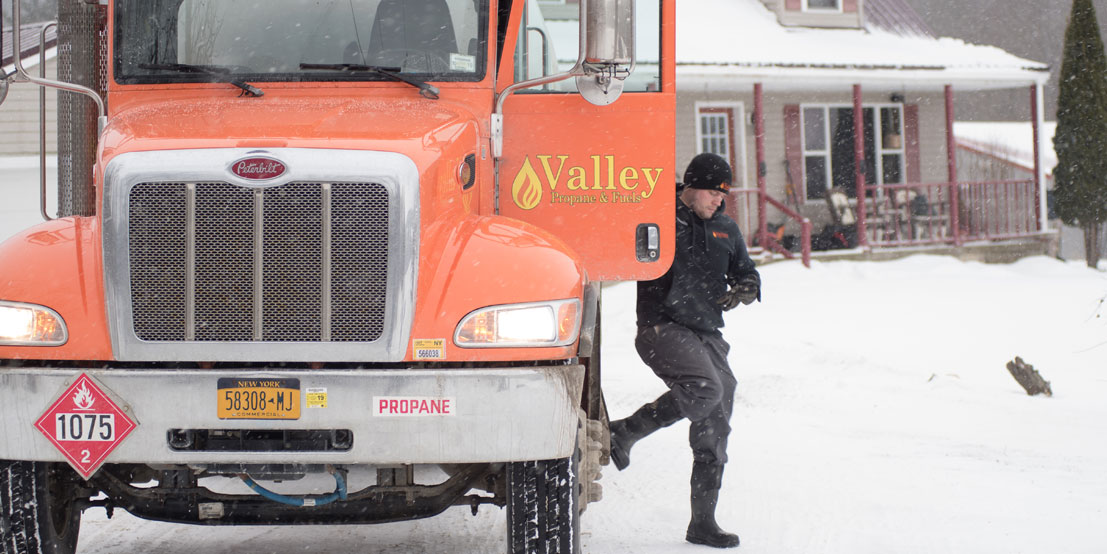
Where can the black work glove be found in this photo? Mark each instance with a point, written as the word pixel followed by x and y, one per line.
pixel 744 289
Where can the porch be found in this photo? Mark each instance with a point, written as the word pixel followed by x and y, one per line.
pixel 894 218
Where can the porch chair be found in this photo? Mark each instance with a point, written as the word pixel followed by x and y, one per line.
pixel 842 231
pixel 927 218
pixel 901 214
pixel 883 222
pixel 840 210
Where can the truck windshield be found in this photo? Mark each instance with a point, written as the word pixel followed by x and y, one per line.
pixel 272 40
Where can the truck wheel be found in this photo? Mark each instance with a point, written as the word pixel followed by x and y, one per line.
pixel 543 507
pixel 37 512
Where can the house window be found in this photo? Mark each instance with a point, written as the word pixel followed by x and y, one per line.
pixel 828 147
pixel 718 130
pixel 822 5
pixel 891 145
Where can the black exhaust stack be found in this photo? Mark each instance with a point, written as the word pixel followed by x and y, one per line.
pixel 82 59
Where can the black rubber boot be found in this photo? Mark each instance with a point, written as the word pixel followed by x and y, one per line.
pixel 707 479
pixel 650 417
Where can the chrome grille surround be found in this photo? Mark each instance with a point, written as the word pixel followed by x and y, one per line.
pixel 289 270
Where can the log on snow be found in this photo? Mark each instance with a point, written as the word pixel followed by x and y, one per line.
pixel 1028 377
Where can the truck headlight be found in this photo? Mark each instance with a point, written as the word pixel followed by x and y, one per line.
pixel 554 323
pixel 30 325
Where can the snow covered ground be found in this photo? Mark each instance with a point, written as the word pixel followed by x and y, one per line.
pixel 874 415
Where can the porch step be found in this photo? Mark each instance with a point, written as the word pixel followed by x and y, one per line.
pixel 998 251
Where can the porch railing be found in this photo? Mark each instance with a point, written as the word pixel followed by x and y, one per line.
pixel 922 214
pixel 782 218
pixel 912 214
pixel 998 210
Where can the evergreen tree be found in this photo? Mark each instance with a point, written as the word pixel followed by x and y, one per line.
pixel 1081 139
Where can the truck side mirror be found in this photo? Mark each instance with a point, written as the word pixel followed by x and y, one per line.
pixel 607 40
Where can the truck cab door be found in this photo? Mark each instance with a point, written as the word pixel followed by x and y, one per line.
pixel 601 178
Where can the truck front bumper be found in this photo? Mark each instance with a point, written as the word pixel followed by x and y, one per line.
pixel 498 414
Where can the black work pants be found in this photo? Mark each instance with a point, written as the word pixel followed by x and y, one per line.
pixel 694 367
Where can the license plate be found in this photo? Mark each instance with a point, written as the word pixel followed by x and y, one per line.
pixel 259 398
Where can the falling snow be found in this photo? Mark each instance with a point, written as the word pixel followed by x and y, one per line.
pixel 874 415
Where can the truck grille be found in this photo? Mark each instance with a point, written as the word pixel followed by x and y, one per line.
pixel 299 262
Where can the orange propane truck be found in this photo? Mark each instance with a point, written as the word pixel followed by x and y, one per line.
pixel 353 242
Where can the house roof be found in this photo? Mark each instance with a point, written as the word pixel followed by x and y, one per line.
pixel 29 43
pixel 897 17
pixel 741 41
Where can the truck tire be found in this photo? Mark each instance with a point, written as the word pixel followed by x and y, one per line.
pixel 543 507
pixel 37 516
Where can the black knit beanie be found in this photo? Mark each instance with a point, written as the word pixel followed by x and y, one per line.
pixel 708 171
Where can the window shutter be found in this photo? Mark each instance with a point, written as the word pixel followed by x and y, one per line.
pixel 911 144
pixel 793 149
pixel 793 5
pixel 849 6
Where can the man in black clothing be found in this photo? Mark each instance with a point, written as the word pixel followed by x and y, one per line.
pixel 679 316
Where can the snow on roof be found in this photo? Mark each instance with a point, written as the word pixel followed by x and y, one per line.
pixel 743 38
pixel 741 42
pixel 1012 141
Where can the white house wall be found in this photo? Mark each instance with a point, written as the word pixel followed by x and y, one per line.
pixel 19 123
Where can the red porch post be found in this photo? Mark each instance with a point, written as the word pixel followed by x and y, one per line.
pixel 1035 118
pixel 759 146
pixel 859 163
pixel 951 157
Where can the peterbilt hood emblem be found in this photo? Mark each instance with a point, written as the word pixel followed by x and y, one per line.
pixel 258 168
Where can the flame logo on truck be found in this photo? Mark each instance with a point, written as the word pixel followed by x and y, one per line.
pixel 258 168
pixel 526 190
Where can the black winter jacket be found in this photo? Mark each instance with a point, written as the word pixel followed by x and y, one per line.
pixel 708 253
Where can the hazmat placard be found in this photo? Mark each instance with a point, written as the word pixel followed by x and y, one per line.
pixel 85 425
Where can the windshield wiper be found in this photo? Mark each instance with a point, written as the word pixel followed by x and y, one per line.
pixel 247 88
pixel 426 90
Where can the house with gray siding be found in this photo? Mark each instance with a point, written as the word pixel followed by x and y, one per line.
pixel 777 86
pixel 851 97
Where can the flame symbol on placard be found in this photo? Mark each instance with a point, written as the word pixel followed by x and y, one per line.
pixel 526 191
pixel 83 398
